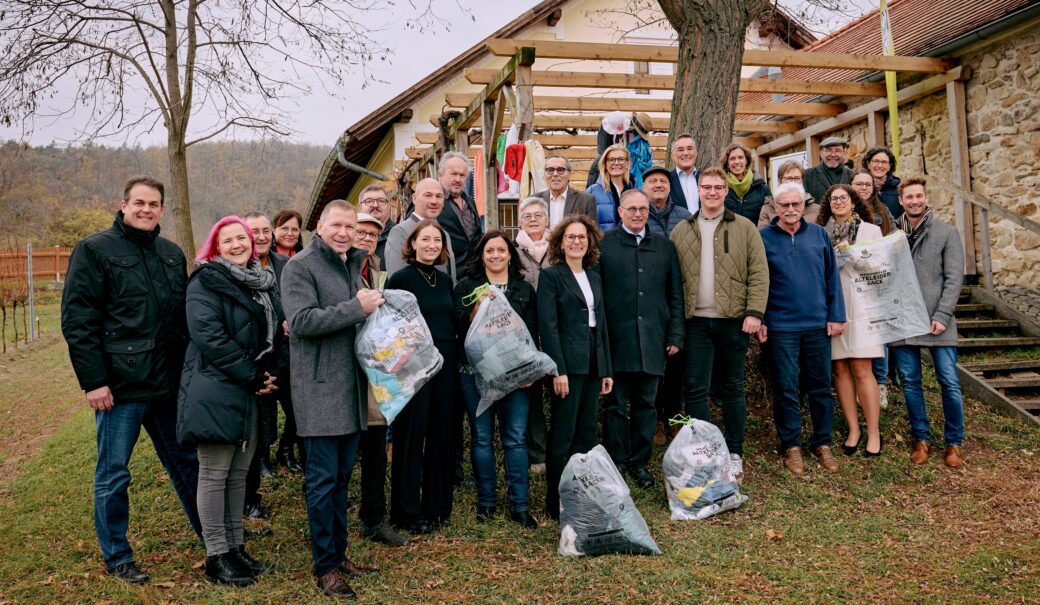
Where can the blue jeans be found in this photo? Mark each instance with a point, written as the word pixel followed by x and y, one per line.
pixel 908 360
pixel 512 425
pixel 805 355
pixel 880 367
pixel 326 478
pixel 117 433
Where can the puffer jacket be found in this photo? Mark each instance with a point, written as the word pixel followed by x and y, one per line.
pixel 664 221
pixel 221 371
pixel 750 206
pixel 606 206
pixel 741 269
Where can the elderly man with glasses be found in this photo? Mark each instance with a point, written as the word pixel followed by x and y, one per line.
pixel 375 203
pixel 560 198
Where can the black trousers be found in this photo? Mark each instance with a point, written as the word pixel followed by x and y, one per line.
pixel 536 430
pixel 717 348
pixel 373 475
pixel 422 471
pixel 669 398
pixel 572 429
pixel 629 418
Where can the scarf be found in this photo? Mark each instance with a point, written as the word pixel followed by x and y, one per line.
pixel 845 231
pixel 537 249
pixel 260 282
pixel 832 176
pixel 642 158
pixel 740 186
pixel 913 234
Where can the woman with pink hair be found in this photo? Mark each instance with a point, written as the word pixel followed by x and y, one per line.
pixel 235 354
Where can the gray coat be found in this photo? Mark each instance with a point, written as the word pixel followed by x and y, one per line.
pixel 319 295
pixel 395 241
pixel 939 260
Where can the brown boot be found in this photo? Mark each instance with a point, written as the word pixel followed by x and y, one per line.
pixel 954 456
pixel 793 460
pixel 659 437
pixel 827 460
pixel 333 585
pixel 920 451
pixel 351 568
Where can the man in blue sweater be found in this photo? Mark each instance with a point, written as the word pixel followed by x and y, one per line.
pixel 804 311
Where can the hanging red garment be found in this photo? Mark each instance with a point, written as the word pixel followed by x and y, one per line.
pixel 515 156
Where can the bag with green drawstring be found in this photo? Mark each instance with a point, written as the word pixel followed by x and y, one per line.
pixel 697 475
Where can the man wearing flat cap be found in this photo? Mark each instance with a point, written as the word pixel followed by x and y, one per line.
pixel 831 170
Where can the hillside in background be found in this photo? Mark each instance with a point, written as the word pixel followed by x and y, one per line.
pixel 54 195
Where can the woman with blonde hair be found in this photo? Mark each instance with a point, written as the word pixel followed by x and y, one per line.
pixel 614 179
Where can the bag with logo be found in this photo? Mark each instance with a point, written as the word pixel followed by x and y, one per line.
pixel 597 515
pixel 697 475
pixel 396 351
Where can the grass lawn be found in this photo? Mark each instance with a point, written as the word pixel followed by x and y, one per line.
pixel 878 531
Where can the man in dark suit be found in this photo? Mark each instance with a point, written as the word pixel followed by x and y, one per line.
pixel 683 177
pixel 561 199
pixel 460 218
pixel 643 299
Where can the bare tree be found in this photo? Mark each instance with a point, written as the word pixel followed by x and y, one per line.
pixel 238 59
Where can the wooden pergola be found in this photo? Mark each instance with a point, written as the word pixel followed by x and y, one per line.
pixel 566 125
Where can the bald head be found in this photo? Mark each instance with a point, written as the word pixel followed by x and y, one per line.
pixel 428 198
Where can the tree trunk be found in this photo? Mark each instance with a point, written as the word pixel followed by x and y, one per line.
pixel 177 194
pixel 711 48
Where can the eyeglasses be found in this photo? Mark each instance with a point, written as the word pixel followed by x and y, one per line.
pixel 786 205
pixel 879 162
pixel 617 160
pixel 375 202
pixel 840 198
pixel 555 170
pixel 639 210
pixel 367 234
pixel 576 237
pixel 791 179
pixel 863 185
pixel 527 216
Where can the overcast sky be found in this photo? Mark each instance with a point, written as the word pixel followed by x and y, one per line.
pixel 320 119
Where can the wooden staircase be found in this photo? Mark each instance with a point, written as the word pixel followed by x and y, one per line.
pixel 998 354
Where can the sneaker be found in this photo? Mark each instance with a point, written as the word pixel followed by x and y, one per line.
pixel 383 534
pixel 736 468
pixel 883 390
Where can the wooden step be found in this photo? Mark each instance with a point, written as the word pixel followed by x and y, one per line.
pixel 986 324
pixel 998 342
pixel 1029 405
pixel 1007 382
pixel 974 308
pixel 1002 365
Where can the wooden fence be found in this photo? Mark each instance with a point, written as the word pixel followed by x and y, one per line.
pixel 48 263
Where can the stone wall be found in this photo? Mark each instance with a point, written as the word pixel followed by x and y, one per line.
pixel 1003 120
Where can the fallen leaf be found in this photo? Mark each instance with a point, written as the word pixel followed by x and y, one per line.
pixel 166 585
pixel 162 477
pixel 775 534
pixel 198 564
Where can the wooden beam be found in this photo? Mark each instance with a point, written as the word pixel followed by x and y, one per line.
pixel 906 95
pixel 551 49
pixel 561 122
pixel 578 79
pixel 875 129
pixel 961 169
pixel 588 140
pixel 491 114
pixel 551 103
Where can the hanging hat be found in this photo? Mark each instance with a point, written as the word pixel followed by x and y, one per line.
pixel 615 123
pixel 642 124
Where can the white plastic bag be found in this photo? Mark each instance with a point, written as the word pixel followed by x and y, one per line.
pixel 597 515
pixel 395 348
pixel 697 475
pixel 502 350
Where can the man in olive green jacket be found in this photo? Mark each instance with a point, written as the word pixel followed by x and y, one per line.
pixel 725 287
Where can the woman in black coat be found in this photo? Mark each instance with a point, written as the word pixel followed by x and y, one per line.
pixel 748 192
pixel 496 261
pixel 423 466
pixel 573 328
pixel 234 355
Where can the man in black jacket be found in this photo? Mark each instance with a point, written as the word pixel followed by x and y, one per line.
pixel 643 298
pixel 831 170
pixel 122 315
pixel 459 218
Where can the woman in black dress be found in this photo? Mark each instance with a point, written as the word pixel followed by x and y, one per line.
pixel 573 327
pixel 424 461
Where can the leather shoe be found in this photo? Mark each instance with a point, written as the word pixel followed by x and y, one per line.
pixel 659 437
pixel 128 572
pixel 954 456
pixel 254 566
pixel 256 512
pixel 524 518
pixel 417 528
pixel 919 454
pixel 827 459
pixel 226 568
pixel 265 467
pixel 333 585
pixel 383 534
pixel 438 523
pixel 351 568
pixel 643 478
pixel 793 460
pixel 288 460
pixel 485 513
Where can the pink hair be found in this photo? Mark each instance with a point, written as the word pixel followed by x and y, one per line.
pixel 211 249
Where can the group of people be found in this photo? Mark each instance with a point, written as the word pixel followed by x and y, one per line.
pixel 644 298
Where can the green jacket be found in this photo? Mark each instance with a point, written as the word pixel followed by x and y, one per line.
pixel 741 270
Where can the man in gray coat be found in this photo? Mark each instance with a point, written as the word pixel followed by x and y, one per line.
pixel 939 260
pixel 324 303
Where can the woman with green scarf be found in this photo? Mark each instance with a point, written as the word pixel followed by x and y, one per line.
pixel 748 192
